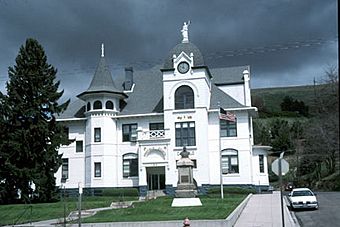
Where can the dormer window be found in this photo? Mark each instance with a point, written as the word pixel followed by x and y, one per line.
pixel 184 98
pixel 97 105
pixel 109 105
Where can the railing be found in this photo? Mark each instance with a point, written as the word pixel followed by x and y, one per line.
pixel 151 135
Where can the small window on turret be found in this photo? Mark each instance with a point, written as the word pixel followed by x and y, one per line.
pixel 88 106
pixel 109 105
pixel 97 105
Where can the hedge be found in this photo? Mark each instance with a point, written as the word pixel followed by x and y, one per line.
pixel 231 190
pixel 120 192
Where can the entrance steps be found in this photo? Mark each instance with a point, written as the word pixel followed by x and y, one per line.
pixel 153 194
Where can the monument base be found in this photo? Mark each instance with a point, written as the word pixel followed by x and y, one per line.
pixel 185 193
pixel 186 202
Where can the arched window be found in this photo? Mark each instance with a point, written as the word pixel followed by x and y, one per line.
pixel 229 161
pixel 130 165
pixel 109 105
pixel 88 106
pixel 184 98
pixel 97 105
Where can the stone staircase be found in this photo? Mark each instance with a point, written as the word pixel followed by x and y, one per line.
pixel 154 194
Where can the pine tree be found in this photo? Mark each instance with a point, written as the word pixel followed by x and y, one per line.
pixel 29 151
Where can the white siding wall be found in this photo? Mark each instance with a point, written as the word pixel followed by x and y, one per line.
pixel 260 178
pixel 236 91
pixel 240 143
pixel 75 160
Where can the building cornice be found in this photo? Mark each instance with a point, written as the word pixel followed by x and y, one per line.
pixel 72 119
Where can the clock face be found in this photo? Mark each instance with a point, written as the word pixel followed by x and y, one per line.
pixel 183 67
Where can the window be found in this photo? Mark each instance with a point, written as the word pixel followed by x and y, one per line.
pixel 229 161
pixel 97 169
pixel 228 128
pixel 261 163
pixel 97 105
pixel 79 146
pixel 184 98
pixel 64 170
pixel 129 132
pixel 130 165
pixel 185 134
pixel 109 105
pixel 88 106
pixel 97 135
pixel 156 126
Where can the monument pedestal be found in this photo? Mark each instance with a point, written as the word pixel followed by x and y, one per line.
pixel 186 190
pixel 186 202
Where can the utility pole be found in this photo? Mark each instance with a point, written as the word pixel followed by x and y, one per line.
pixel 80 187
pixel 63 193
pixel 219 150
pixel 280 179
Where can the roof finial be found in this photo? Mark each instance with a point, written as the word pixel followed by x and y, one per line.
pixel 102 50
pixel 185 33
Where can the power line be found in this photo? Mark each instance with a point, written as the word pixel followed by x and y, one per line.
pixel 271 48
pixel 275 48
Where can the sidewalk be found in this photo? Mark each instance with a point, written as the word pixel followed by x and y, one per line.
pixel 264 210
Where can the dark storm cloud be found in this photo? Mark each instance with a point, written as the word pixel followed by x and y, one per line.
pixel 277 38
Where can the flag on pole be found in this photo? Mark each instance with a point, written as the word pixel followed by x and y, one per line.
pixel 225 115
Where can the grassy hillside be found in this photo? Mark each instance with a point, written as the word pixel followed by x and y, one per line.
pixel 273 97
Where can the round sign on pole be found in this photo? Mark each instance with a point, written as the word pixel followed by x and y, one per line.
pixel 284 166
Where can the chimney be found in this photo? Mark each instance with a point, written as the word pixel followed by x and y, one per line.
pixel 128 78
pixel 246 87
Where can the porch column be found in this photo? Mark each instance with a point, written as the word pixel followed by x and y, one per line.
pixel 142 176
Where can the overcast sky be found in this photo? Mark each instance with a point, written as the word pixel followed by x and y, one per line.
pixel 285 42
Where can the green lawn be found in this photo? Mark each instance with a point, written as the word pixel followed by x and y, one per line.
pixel 21 213
pixel 160 210
pixel 157 210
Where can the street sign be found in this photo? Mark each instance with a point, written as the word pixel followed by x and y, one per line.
pixel 284 166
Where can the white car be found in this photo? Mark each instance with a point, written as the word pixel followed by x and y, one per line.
pixel 302 198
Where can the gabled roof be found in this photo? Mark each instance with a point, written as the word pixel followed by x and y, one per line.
pixel 102 81
pixel 75 109
pixel 225 100
pixel 229 75
pixel 147 95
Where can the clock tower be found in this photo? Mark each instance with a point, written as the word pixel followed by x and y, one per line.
pixel 186 100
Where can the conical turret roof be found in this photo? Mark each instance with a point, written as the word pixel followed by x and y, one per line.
pixel 102 81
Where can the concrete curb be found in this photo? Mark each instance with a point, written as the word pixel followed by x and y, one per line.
pixel 232 218
pixel 291 215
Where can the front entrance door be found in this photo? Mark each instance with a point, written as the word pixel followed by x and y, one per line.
pixel 156 178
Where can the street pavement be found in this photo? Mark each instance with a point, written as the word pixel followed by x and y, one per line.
pixel 264 210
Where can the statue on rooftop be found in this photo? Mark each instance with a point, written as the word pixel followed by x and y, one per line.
pixel 185 33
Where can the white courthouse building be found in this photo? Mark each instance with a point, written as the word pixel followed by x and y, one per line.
pixel 128 130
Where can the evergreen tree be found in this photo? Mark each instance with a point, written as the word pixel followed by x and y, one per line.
pixel 32 136
pixel 280 132
pixel 261 133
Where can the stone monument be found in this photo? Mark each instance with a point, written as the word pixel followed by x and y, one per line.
pixel 186 190
pixel 185 184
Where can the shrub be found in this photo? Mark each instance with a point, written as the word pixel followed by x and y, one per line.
pixel 232 190
pixel 120 192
